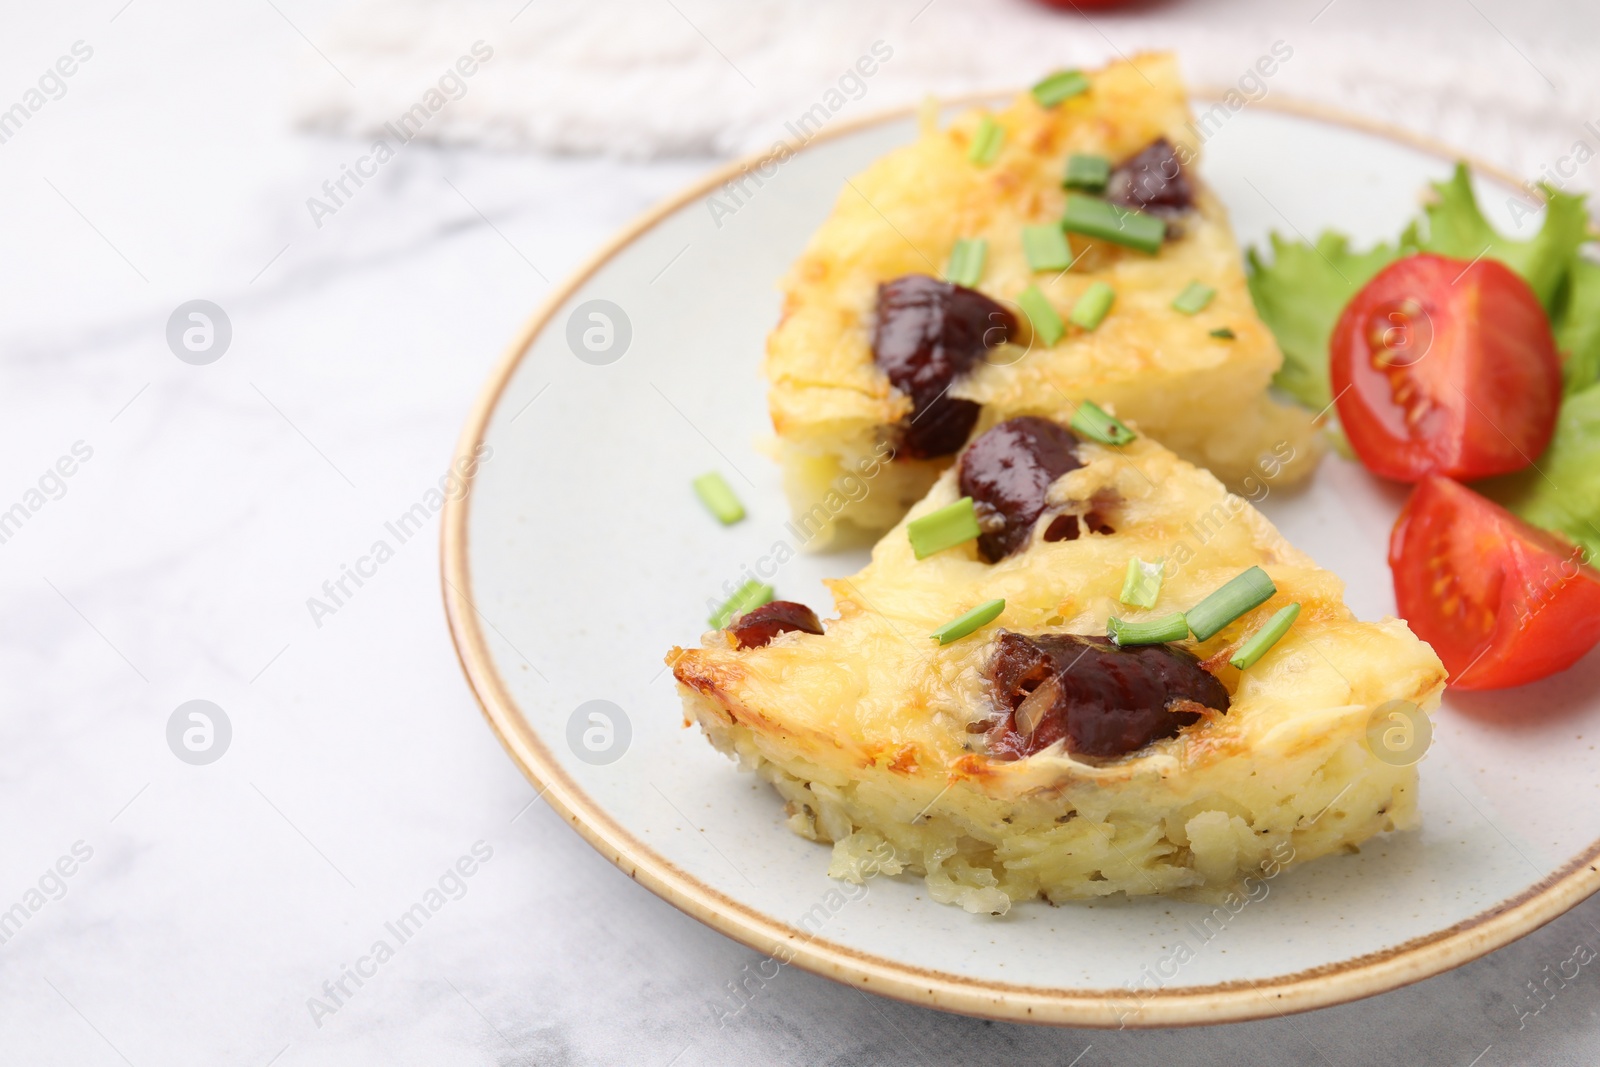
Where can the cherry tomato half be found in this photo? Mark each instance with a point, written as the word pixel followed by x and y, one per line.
pixel 1441 366
pixel 1503 603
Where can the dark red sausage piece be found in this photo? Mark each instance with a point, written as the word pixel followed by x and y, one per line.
pixel 758 626
pixel 1068 527
pixel 1108 701
pixel 1152 180
pixel 1007 472
pixel 928 334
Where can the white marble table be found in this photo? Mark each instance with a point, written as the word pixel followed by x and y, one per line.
pixel 211 911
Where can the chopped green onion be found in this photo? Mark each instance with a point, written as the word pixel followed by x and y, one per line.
pixel 986 142
pixel 1097 424
pixel 750 595
pixel 1194 298
pixel 1062 85
pixel 966 261
pixel 1244 593
pixel 1153 632
pixel 1265 638
pixel 962 625
pixel 1092 306
pixel 1222 333
pixel 951 525
pixel 1093 217
pixel 718 498
pixel 1046 321
pixel 1046 247
pixel 1142 585
pixel 1087 173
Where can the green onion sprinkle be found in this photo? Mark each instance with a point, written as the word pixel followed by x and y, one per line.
pixel 951 525
pixel 962 625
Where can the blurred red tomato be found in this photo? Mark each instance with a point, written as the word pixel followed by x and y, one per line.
pixel 1082 5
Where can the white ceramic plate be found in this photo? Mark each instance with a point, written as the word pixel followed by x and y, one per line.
pixel 580 556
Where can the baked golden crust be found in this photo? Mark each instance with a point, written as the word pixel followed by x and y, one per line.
pixel 1204 397
pixel 865 729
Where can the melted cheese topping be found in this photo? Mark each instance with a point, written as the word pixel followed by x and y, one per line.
pixel 876 685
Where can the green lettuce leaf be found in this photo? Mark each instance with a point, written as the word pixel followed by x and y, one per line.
pixel 1453 226
pixel 1562 492
pixel 1577 326
pixel 1299 296
pixel 1300 292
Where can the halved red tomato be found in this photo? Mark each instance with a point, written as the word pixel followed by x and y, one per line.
pixel 1443 366
pixel 1503 603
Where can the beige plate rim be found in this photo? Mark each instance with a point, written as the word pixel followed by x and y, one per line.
pixel 1226 1002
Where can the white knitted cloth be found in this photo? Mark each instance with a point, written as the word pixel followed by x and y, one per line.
pixel 1510 83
